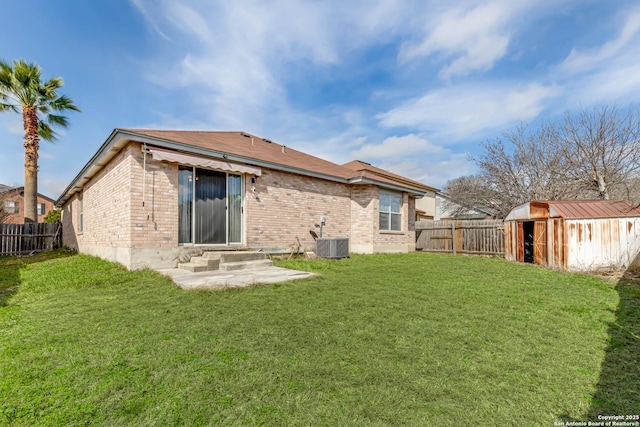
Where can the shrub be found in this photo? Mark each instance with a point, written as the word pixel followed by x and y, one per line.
pixel 53 216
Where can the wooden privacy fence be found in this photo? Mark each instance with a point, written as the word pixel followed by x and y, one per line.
pixel 18 239
pixel 477 237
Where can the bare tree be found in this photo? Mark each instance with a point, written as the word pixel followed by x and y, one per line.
pixel 3 213
pixel 469 192
pixel 590 154
pixel 523 165
pixel 605 143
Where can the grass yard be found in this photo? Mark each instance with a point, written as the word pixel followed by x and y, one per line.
pixel 413 339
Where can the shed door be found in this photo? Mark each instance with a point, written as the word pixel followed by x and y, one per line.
pixel 520 243
pixel 540 242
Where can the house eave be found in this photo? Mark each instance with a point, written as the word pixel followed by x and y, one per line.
pixel 412 191
pixel 106 152
pixel 120 138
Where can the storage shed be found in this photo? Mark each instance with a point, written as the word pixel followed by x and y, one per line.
pixel 574 235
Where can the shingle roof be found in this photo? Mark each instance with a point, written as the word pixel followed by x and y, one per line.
pixel 248 146
pixel 366 170
pixel 6 188
pixel 253 147
pixel 241 147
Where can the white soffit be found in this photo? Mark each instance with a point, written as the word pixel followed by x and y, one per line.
pixel 186 159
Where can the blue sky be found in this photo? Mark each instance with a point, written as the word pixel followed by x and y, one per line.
pixel 414 87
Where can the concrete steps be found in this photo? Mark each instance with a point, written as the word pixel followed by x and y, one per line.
pixel 226 261
pixel 245 265
pixel 193 267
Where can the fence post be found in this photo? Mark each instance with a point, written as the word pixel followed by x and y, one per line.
pixel 453 236
pixel 479 237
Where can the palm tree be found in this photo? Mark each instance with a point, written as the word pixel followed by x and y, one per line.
pixel 22 90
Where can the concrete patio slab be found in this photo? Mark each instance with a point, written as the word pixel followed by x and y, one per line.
pixel 232 279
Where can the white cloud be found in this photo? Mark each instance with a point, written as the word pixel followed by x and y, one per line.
pixel 236 54
pixel 438 171
pixel 607 73
pixel 618 83
pixel 188 21
pixel 148 17
pixel 396 146
pixel 169 121
pixel 236 61
pixel 460 111
pixel 433 170
pixel 474 36
pixel 52 187
pixel 580 61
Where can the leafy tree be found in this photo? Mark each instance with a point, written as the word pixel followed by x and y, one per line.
pixel 23 91
pixel 53 216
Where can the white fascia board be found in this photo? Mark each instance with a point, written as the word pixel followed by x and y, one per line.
pixel 111 146
pixel 411 191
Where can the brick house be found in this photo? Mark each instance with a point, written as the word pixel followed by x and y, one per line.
pixel 150 198
pixel 12 205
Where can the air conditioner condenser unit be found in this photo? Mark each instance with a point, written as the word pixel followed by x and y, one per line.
pixel 332 247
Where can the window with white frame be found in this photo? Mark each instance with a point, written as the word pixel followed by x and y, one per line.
pixel 41 209
pixel 10 207
pixel 390 211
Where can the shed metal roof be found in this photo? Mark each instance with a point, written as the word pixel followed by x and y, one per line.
pixel 574 209
pixel 580 209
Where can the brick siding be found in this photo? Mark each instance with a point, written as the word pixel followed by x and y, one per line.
pixel 285 206
pixel 155 222
pixel 106 207
pixel 279 214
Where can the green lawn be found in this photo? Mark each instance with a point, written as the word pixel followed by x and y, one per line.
pixel 414 339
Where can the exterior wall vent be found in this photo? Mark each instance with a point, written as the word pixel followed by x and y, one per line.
pixel 332 247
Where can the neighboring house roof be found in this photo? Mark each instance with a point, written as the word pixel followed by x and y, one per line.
pixel 574 209
pixel 463 211
pixel 6 189
pixel 242 147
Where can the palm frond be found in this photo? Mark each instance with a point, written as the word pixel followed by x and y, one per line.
pixel 58 120
pixel 21 87
pixel 6 107
pixel 45 132
pixel 53 84
pixel 64 103
pixel 28 75
pixel 6 71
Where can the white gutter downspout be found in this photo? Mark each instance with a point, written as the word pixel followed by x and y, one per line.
pixel 144 177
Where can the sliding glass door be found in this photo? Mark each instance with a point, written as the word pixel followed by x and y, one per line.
pixel 185 204
pixel 234 184
pixel 209 206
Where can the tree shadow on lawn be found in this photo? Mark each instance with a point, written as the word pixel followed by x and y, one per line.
pixel 618 390
pixel 10 267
